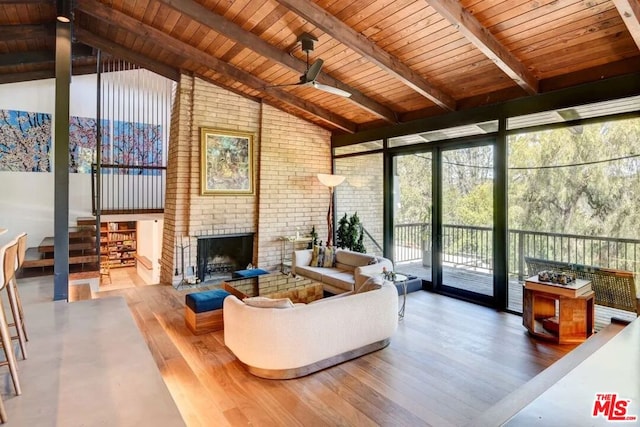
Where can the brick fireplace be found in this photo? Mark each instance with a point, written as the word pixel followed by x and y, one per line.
pixel 288 153
pixel 219 256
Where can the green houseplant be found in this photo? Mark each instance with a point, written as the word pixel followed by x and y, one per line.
pixel 349 234
pixel 314 238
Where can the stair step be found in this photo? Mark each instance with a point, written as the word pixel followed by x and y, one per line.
pixel 80 292
pixel 47 245
pixel 86 220
pixel 33 258
pixel 82 231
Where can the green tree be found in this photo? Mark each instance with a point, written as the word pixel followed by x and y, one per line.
pixel 576 181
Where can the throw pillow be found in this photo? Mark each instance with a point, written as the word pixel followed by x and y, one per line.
pixel 329 257
pixel 323 257
pixel 317 256
pixel 264 302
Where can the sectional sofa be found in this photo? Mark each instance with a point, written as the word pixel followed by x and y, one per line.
pixel 297 340
pixel 350 270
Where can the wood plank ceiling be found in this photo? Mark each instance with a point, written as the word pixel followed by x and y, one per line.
pixel 400 59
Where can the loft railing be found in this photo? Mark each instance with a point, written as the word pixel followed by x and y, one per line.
pixel 473 246
pixel 126 189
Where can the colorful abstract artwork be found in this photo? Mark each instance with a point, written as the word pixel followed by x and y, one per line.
pixel 138 144
pixel 25 141
pixel 226 162
pixel 82 143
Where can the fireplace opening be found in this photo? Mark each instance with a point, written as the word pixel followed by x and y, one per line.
pixel 219 256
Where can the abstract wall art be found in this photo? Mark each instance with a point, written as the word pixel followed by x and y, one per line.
pixel 25 141
pixel 82 143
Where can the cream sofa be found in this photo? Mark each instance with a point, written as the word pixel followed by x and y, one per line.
pixel 351 269
pixel 281 343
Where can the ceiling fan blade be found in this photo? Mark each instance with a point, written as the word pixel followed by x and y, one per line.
pixel 313 70
pixel 331 89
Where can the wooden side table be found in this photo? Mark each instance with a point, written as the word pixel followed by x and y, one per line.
pixel 549 314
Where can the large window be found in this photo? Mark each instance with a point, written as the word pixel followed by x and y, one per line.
pixel 362 193
pixel 574 194
pixel 572 191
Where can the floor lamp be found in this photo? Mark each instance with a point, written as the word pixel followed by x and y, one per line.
pixel 330 181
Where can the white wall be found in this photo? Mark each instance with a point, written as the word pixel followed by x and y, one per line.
pixel 149 244
pixel 27 198
pixel 26 201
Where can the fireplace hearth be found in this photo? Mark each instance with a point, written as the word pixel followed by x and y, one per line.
pixel 219 256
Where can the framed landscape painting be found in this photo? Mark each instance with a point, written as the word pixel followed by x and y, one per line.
pixel 226 162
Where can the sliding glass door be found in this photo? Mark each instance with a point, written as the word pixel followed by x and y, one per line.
pixel 412 213
pixel 467 220
pixel 443 217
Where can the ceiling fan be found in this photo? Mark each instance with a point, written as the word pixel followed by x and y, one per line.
pixel 311 74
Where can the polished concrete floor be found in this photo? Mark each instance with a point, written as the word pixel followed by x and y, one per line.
pixel 87 365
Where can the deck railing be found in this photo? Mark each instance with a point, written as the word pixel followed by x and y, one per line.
pixel 129 189
pixel 473 246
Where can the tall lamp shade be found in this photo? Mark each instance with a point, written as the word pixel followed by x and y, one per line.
pixel 330 181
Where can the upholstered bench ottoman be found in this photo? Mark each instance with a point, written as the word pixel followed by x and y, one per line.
pixel 245 274
pixel 203 311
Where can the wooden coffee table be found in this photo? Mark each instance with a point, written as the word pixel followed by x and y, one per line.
pixel 553 312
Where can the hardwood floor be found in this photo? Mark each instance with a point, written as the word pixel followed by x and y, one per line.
pixel 448 362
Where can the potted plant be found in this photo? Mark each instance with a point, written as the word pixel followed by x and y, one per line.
pixel 342 233
pixel 314 238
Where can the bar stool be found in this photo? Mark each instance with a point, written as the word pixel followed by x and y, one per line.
pixel 3 412
pixel 14 296
pixel 8 254
pixel 22 251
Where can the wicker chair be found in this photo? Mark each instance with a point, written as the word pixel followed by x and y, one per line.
pixel 613 288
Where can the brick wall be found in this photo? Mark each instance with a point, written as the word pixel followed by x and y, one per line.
pixel 291 197
pixel 288 153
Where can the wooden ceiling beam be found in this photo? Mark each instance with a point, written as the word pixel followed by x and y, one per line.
pixel 116 18
pixel 235 32
pixel 118 51
pixel 27 1
pixel 481 38
pixel 27 76
pixel 363 46
pixel 49 73
pixel 28 57
pixel 10 33
pixel 629 10
pixel 32 57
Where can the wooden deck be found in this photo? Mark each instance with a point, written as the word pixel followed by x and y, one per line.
pixel 482 283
